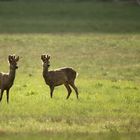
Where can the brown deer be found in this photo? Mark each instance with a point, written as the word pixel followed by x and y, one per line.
pixel 7 79
pixel 63 76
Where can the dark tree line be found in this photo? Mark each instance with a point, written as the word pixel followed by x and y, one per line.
pixel 130 1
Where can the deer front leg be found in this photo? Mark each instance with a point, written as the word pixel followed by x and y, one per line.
pixel 7 92
pixel 51 91
pixel 1 94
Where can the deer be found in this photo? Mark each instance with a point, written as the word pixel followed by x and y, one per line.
pixel 7 79
pixel 62 76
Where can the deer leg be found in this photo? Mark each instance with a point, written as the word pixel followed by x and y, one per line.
pixel 51 91
pixel 75 88
pixel 68 89
pixel 1 94
pixel 7 92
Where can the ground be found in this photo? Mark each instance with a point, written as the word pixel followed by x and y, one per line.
pixel 100 41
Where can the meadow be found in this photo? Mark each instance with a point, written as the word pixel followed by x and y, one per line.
pixel 101 41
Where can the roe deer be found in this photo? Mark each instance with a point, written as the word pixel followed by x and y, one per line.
pixel 63 76
pixel 7 79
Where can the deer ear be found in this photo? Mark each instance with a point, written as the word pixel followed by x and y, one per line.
pixel 10 58
pixel 42 57
pixel 17 58
pixel 48 57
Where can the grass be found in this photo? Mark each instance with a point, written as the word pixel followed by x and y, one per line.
pixel 54 17
pixel 107 60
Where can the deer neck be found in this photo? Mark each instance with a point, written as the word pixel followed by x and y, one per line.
pixel 12 74
pixel 45 72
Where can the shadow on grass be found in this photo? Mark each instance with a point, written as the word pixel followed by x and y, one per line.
pixel 71 27
pixel 68 17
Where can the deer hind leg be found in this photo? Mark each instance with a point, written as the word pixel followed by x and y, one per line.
pixel 1 94
pixel 7 92
pixel 75 88
pixel 68 89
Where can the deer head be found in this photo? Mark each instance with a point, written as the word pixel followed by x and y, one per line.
pixel 46 60
pixel 13 61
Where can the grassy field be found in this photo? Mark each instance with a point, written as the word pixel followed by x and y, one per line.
pixel 99 40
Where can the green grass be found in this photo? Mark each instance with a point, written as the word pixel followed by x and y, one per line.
pixel 54 17
pixel 100 41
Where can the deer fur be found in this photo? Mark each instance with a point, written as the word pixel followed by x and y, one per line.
pixel 7 79
pixel 63 76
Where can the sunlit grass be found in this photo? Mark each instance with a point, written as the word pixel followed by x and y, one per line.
pixel 107 81
pixel 107 60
